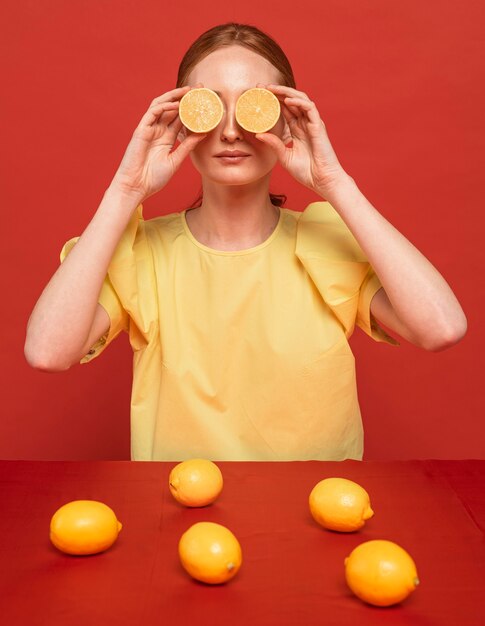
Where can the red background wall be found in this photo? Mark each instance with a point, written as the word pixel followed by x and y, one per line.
pixel 400 88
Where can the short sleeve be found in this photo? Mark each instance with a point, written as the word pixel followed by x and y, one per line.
pixel 130 271
pixel 339 269
pixel 365 320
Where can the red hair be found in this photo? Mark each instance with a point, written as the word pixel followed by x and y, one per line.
pixel 236 34
pixel 242 35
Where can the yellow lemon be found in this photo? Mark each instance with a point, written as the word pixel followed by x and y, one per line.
pixel 257 110
pixel 210 553
pixel 381 572
pixel 84 527
pixel 196 482
pixel 340 504
pixel 200 110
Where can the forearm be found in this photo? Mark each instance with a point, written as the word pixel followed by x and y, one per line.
pixel 420 297
pixel 63 315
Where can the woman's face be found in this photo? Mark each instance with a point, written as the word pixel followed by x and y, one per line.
pixel 230 71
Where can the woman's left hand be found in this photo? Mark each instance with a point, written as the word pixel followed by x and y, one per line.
pixel 311 160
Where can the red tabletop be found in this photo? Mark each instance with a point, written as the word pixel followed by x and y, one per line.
pixel 292 571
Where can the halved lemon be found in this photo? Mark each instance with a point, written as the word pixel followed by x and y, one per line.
pixel 200 110
pixel 257 110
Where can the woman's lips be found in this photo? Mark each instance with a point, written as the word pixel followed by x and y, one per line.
pixel 233 159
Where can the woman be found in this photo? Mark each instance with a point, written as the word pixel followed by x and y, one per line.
pixel 238 310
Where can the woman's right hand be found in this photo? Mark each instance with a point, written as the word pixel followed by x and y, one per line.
pixel 149 162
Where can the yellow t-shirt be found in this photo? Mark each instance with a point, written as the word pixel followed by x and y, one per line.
pixel 241 355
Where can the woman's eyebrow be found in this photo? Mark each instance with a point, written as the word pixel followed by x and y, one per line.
pixel 220 94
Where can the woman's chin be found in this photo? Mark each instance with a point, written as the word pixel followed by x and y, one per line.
pixel 234 177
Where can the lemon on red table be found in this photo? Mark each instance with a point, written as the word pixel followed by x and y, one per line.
pixel 84 527
pixel 340 504
pixel 196 482
pixel 210 553
pixel 381 572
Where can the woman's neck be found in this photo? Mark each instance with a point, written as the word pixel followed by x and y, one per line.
pixel 233 217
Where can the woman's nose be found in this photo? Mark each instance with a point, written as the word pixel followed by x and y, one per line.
pixel 230 129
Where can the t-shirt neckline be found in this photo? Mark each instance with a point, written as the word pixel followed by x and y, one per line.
pixel 260 246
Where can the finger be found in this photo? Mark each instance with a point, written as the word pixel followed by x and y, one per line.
pixel 295 111
pixel 292 124
pixel 288 91
pixel 307 106
pixel 302 103
pixel 282 100
pixel 171 95
pixel 165 105
pixel 289 114
pixel 186 146
pixel 281 96
pixel 156 111
pixel 274 142
pixel 161 104
pixel 176 125
pixel 169 114
pixel 167 119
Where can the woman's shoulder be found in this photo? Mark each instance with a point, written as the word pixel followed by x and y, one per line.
pixel 166 226
pixel 322 232
pixel 166 220
pixel 319 212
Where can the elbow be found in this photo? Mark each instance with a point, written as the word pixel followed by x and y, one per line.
pixel 448 337
pixel 42 362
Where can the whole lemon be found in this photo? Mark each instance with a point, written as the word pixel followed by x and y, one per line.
pixel 84 527
pixel 196 482
pixel 340 504
pixel 210 553
pixel 381 572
